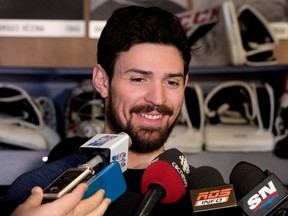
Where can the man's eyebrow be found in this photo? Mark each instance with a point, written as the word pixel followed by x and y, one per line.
pixel 176 74
pixel 144 72
pixel 135 70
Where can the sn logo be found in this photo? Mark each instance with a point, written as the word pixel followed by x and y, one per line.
pixel 257 198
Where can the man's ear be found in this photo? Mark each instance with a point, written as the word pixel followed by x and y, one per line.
pixel 101 81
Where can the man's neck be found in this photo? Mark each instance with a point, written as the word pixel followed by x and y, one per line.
pixel 141 161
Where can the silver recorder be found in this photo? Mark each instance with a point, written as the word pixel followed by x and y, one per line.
pixel 66 182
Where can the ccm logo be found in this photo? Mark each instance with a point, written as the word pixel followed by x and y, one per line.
pixel 263 198
pixel 191 21
pixel 213 197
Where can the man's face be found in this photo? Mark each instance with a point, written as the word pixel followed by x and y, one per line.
pixel 146 94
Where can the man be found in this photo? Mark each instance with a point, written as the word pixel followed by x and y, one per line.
pixel 142 71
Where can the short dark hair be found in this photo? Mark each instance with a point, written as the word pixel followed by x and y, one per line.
pixel 133 25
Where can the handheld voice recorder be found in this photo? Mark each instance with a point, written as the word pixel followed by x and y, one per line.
pixel 66 182
pixel 70 179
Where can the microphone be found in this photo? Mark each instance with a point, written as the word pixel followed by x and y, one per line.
pixel 259 193
pixel 210 195
pixel 165 180
pixel 110 147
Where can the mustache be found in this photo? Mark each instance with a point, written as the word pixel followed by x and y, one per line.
pixel 149 108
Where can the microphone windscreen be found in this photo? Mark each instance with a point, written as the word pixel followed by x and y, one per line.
pixel 204 177
pixel 244 177
pixel 169 170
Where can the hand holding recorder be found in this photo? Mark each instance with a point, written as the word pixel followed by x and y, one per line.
pixel 70 204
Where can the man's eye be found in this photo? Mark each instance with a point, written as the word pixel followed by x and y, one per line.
pixel 173 83
pixel 137 80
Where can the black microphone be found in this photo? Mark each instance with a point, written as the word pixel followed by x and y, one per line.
pixel 210 195
pixel 165 180
pixel 259 193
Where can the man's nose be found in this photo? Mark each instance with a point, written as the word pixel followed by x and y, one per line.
pixel 156 94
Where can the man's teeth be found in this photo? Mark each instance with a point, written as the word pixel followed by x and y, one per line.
pixel 151 117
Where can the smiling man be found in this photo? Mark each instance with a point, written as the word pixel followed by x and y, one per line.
pixel 141 73
pixel 142 70
pixel 144 97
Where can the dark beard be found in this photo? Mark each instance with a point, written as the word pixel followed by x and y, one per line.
pixel 144 139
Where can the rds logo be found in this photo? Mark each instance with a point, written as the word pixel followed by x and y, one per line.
pixel 264 197
pixel 213 197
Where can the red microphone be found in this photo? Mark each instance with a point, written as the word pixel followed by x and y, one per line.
pixel 165 180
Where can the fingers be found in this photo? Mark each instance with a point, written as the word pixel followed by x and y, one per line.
pixel 35 199
pixel 68 202
pixel 101 209
pixel 95 205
